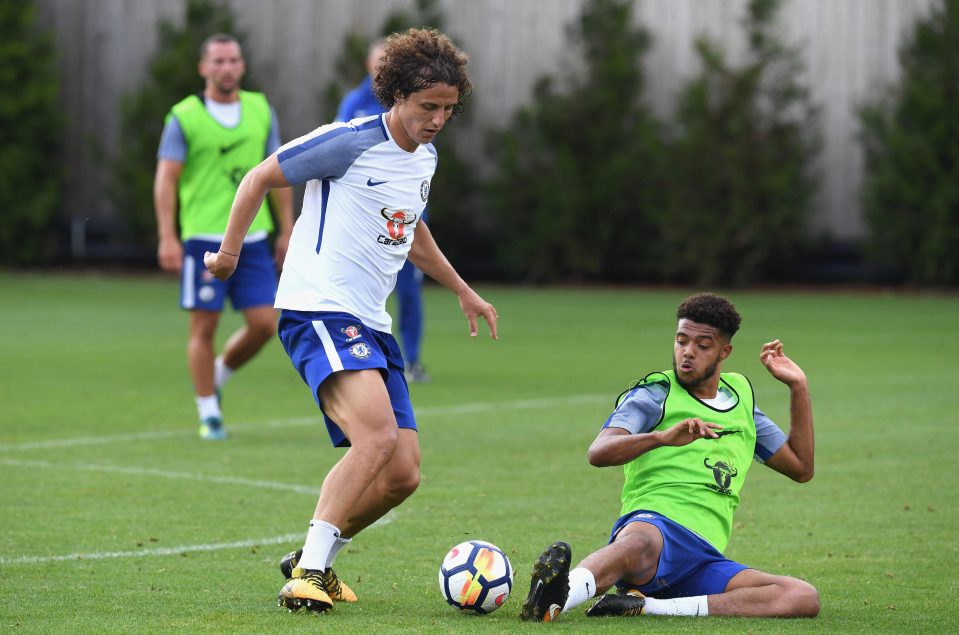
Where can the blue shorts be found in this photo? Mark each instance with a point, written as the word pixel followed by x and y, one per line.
pixel 321 343
pixel 688 565
pixel 252 284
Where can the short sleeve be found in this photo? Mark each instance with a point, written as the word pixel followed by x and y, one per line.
pixel 326 153
pixel 640 410
pixel 769 438
pixel 172 142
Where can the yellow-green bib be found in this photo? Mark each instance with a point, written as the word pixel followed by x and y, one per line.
pixel 217 159
pixel 696 485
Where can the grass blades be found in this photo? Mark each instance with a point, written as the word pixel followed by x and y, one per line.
pixel 117 518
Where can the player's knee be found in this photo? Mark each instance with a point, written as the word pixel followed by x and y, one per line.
pixel 806 599
pixel 203 328
pixel 640 554
pixel 402 486
pixel 636 542
pixel 387 441
pixel 800 599
pixel 376 444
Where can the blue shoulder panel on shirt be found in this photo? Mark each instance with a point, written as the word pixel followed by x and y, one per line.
pixel 330 154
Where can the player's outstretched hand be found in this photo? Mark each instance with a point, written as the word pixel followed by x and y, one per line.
pixel 474 306
pixel 220 264
pixel 779 366
pixel 688 430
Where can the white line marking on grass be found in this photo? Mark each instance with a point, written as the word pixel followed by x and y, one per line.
pixel 524 404
pixel 156 551
pixel 146 436
pixel 176 551
pixel 427 411
pixel 77 441
pixel 144 471
pixel 170 551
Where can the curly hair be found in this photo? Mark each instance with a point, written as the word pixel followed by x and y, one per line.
pixel 711 309
pixel 418 59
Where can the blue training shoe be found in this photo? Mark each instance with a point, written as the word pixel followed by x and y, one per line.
pixel 211 429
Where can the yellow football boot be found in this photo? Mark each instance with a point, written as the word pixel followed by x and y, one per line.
pixel 335 588
pixel 306 589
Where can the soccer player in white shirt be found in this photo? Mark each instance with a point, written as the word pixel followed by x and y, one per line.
pixel 367 184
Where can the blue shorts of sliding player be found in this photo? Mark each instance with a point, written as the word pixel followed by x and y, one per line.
pixel 688 565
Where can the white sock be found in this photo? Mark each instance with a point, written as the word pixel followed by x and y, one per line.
pixel 335 549
pixel 582 586
pixel 208 407
pixel 221 372
pixel 319 540
pixel 695 605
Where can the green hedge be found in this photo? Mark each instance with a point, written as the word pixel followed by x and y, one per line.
pixel 589 185
pixel 30 137
pixel 911 139
pixel 577 181
pixel 741 183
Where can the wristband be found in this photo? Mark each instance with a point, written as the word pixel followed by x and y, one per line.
pixel 229 254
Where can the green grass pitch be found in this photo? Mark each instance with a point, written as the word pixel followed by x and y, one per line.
pixel 117 518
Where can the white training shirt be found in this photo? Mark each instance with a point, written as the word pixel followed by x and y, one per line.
pixel 364 197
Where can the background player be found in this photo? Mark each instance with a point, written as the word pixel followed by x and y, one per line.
pixel 686 438
pixel 367 184
pixel 209 142
pixel 362 102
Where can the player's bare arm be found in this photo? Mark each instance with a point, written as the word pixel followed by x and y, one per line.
pixel 249 196
pixel 617 446
pixel 795 458
pixel 169 248
pixel 426 255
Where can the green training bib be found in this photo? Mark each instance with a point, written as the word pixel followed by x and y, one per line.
pixel 217 159
pixel 696 485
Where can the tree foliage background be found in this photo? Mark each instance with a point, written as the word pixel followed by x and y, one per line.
pixel 585 182
pixel 911 138
pixel 741 181
pixel 30 137
pixel 578 173
pixel 590 185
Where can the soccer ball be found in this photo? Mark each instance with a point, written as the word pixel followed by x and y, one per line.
pixel 476 577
